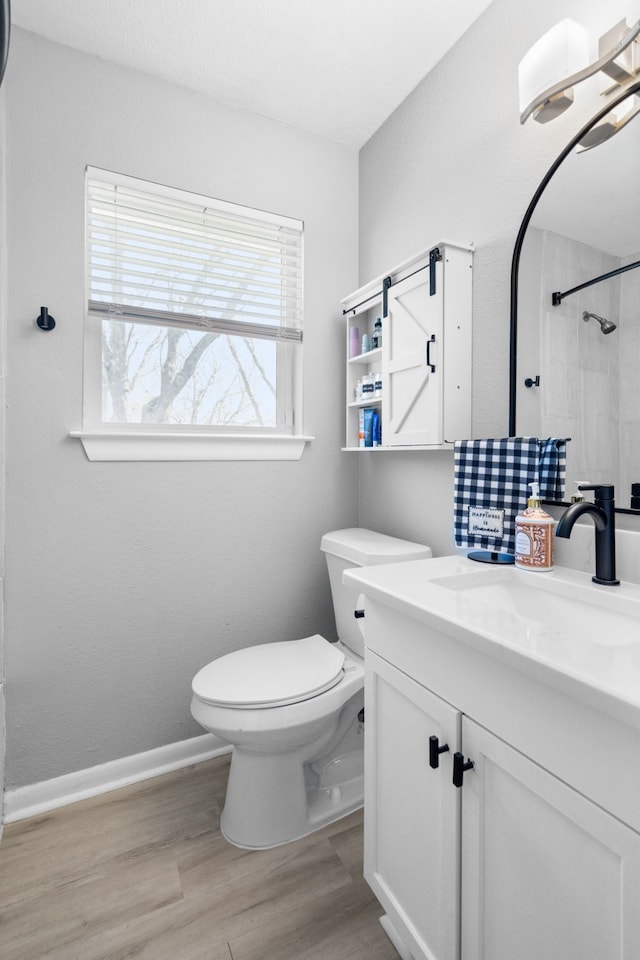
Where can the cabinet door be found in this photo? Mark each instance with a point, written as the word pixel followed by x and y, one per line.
pixel 413 362
pixel 546 873
pixel 411 811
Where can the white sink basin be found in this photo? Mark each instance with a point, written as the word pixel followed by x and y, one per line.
pixel 546 605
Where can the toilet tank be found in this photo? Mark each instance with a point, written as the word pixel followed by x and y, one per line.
pixel 356 547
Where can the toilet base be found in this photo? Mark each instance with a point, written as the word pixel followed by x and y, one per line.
pixel 324 806
pixel 260 815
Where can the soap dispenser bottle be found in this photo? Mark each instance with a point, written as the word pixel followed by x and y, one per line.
pixel 577 495
pixel 534 535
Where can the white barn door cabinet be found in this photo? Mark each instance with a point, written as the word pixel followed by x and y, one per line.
pixel 419 379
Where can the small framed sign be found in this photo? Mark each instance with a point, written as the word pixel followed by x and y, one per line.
pixel 485 522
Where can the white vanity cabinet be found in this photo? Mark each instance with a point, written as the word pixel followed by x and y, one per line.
pixel 411 815
pixel 531 856
pixel 424 364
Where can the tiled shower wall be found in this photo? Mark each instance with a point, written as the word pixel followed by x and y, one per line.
pixel 591 389
pixel 629 400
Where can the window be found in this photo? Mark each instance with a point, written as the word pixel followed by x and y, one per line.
pixel 194 314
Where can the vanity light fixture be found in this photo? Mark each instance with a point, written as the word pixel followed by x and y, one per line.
pixel 564 51
pixel 608 126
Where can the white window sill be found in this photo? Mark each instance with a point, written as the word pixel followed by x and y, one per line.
pixel 194 446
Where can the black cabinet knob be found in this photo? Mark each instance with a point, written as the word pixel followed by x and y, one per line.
pixel 435 750
pixel 459 767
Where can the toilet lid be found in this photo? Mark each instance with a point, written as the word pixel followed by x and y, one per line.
pixel 271 674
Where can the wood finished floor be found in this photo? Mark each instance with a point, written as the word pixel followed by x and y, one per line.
pixel 144 872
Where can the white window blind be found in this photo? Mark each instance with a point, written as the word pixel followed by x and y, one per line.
pixel 163 256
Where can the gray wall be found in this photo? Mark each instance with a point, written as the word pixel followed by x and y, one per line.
pixel 454 163
pixel 124 578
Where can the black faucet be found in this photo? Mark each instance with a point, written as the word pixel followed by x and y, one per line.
pixel 603 512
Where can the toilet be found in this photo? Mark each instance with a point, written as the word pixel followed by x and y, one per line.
pixel 293 712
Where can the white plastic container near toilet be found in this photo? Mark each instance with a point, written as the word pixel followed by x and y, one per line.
pixel 292 711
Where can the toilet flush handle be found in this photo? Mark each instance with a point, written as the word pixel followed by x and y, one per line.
pixel 358 614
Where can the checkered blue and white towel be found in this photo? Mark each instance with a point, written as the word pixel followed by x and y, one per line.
pixel 493 477
pixel 552 468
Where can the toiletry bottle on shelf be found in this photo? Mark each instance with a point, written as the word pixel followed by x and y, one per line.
pixel 368 426
pixel 368 386
pixel 534 535
pixel 375 429
pixel 376 339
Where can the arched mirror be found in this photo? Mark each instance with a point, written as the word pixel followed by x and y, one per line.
pixel 575 308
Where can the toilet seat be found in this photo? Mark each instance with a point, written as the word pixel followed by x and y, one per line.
pixel 271 674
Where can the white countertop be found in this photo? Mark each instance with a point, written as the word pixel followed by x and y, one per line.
pixel 590 651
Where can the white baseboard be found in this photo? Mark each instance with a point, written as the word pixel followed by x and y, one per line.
pixel 38 798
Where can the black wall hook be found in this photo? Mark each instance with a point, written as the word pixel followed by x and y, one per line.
pixel 45 321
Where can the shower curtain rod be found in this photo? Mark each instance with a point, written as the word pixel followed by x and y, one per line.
pixel 557 297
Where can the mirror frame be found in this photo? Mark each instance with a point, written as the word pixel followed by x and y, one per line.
pixel 517 250
pixel 5 31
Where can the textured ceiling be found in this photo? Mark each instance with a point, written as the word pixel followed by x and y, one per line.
pixel 336 68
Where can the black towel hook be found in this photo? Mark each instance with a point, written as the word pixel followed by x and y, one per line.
pixel 45 321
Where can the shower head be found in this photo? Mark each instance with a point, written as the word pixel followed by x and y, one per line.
pixel 607 326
